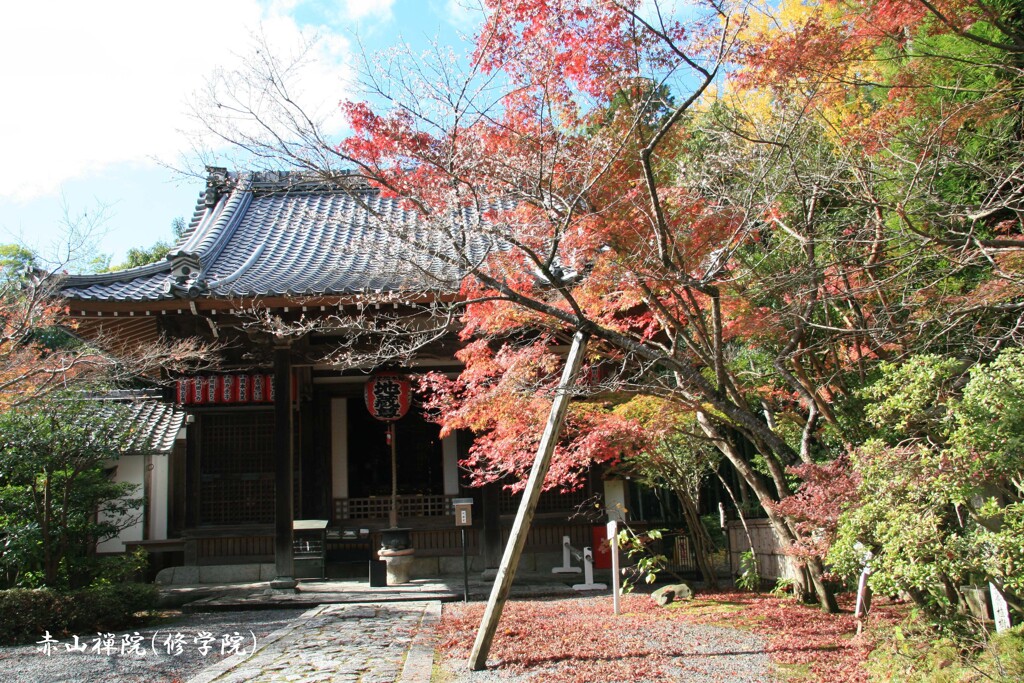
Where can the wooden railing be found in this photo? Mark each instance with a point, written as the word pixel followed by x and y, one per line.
pixel 548 537
pixel 428 505
pixel 549 502
pixel 379 507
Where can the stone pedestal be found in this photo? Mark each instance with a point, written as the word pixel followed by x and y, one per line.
pixel 399 564
pixel 283 583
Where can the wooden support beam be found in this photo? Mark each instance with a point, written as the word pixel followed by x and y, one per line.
pixel 284 562
pixel 527 508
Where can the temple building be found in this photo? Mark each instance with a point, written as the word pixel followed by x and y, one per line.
pixel 274 269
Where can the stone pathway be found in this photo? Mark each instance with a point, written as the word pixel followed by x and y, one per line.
pixel 216 597
pixel 368 643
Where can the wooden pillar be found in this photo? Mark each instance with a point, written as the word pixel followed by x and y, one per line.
pixel 191 479
pixel 176 487
pixel 490 537
pixel 283 470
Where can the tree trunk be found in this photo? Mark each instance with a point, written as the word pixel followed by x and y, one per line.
pixel 699 537
pixel 49 563
pixel 826 598
pixel 813 572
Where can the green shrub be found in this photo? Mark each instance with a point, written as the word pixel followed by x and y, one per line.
pixel 749 578
pixel 26 614
pixel 108 608
pixel 917 654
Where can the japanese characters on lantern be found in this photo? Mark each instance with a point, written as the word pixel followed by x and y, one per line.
pixel 388 396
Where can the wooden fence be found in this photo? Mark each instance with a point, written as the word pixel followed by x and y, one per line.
pixel 772 564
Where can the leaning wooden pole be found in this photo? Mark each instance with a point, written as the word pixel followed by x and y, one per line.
pixel 527 508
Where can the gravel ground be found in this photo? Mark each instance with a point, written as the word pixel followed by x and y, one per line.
pixel 675 649
pixel 715 655
pixel 30 664
pixel 721 655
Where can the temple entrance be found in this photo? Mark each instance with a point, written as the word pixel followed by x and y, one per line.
pixel 420 455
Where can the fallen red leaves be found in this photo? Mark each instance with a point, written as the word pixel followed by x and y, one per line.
pixel 569 640
pixel 578 639
pixel 804 635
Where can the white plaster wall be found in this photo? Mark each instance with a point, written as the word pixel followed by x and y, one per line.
pixel 131 469
pixel 159 496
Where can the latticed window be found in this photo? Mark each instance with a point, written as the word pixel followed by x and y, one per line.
pixel 236 464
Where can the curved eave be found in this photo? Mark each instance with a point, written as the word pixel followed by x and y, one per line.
pixel 113 277
pixel 126 308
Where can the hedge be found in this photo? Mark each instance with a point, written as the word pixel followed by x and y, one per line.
pixel 26 614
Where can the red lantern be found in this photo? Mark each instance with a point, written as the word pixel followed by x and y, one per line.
pixel 388 396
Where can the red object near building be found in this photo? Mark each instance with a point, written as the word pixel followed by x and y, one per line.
pixel 227 389
pixel 602 548
pixel 388 396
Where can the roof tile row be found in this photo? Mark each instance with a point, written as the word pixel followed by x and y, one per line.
pixel 260 240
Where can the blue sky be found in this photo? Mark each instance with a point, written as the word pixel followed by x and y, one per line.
pixel 96 106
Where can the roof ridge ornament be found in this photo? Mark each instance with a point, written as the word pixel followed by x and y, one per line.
pixel 185 276
pixel 217 184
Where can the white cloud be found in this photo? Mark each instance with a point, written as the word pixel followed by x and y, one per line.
pixel 464 15
pixel 90 84
pixel 357 10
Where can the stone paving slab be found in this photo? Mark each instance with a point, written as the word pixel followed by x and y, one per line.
pixel 257 599
pixel 366 642
pixel 208 598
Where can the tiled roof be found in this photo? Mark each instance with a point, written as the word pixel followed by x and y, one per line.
pixel 272 234
pixel 153 424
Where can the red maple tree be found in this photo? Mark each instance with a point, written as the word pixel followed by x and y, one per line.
pixel 744 215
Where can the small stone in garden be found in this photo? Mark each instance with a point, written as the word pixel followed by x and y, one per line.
pixel 675 591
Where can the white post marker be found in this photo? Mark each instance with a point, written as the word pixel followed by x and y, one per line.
pixel 861 608
pixel 613 538
pixel 1000 610
pixel 862 587
pixel 587 557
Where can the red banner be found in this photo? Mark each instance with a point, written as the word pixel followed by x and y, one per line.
pixel 226 389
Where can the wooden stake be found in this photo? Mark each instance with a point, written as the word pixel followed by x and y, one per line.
pixel 393 438
pixel 527 508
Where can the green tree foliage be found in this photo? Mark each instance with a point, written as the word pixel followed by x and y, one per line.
pixel 679 460
pixel 57 498
pixel 141 256
pixel 942 487
pixel 15 262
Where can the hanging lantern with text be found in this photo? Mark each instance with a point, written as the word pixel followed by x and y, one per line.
pixel 388 396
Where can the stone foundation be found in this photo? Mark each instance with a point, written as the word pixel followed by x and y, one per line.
pixel 422 568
